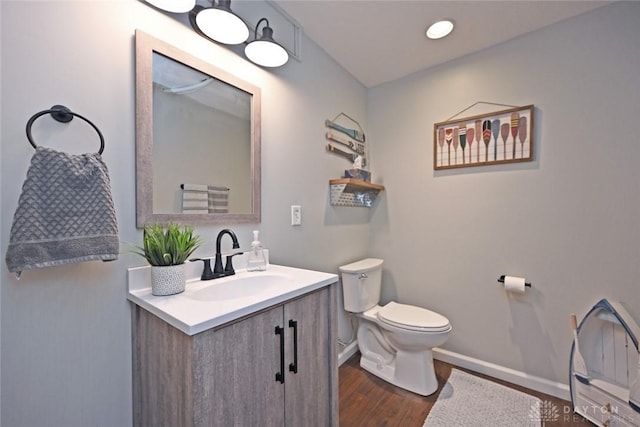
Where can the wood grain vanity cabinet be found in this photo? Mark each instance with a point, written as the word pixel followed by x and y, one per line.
pixel 277 367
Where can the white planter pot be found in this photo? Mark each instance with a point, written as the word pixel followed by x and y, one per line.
pixel 167 280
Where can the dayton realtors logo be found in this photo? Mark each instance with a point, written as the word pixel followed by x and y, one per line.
pixel 546 411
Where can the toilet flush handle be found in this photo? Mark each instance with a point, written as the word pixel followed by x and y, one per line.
pixel 362 276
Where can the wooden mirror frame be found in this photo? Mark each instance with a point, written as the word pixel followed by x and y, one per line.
pixel 146 45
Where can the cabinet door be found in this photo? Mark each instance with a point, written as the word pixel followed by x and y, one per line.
pixel 311 393
pixel 237 379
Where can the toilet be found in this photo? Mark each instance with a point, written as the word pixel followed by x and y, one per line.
pixel 395 340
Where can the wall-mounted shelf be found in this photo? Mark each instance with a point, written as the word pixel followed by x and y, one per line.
pixel 353 192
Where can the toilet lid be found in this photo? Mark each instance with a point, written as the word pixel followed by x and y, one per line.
pixel 413 318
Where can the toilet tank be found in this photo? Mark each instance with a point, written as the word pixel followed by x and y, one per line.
pixel 361 282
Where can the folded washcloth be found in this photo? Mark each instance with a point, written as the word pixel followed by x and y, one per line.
pixel 218 200
pixel 65 213
pixel 194 199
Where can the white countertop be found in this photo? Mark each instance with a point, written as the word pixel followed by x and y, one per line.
pixel 192 315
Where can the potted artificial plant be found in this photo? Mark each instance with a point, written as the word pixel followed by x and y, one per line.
pixel 167 249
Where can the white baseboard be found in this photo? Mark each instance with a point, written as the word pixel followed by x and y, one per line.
pixel 347 352
pixel 506 374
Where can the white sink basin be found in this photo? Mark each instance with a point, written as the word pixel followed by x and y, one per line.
pixel 211 303
pixel 240 286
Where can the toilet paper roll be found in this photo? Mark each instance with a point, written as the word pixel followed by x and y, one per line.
pixel 514 284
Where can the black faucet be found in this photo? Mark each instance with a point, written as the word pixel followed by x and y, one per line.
pixel 218 271
pixel 207 274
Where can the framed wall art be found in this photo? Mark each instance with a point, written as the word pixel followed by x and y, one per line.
pixel 500 137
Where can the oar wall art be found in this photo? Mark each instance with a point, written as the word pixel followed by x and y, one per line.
pixel 471 132
pixel 441 142
pixel 504 136
pixel 347 132
pixel 486 138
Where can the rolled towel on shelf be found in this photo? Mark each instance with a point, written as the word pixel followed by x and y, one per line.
pixel 194 198
pixel 218 199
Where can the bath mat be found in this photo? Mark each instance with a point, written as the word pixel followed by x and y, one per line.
pixel 468 400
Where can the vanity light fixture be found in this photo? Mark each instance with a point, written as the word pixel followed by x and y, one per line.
pixel 439 29
pixel 219 23
pixel 175 6
pixel 265 51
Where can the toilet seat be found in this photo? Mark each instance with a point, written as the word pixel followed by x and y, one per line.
pixel 413 318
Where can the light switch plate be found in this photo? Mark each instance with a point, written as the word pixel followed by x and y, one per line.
pixel 296 215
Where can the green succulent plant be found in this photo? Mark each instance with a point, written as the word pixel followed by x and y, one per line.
pixel 167 246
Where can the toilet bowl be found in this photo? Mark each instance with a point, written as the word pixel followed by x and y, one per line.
pixel 395 340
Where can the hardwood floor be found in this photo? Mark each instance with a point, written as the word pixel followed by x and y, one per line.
pixel 368 401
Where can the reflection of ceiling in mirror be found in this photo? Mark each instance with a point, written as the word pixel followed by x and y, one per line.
pixel 182 80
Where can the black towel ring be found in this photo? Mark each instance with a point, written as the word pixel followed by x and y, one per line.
pixel 63 115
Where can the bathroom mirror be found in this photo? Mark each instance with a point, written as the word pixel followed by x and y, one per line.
pixel 197 140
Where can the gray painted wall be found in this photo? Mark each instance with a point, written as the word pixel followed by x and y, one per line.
pixel 568 221
pixel 66 353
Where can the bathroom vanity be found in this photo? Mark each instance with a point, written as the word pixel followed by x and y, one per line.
pixel 258 348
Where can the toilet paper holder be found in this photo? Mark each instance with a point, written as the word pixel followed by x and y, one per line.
pixel 501 280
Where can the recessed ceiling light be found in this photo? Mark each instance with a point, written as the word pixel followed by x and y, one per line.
pixel 439 29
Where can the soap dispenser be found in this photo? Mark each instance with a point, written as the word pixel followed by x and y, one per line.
pixel 257 261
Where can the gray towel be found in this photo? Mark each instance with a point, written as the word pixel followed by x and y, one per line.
pixel 218 200
pixel 194 199
pixel 65 213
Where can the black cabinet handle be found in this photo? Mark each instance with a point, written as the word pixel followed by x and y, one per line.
pixel 280 375
pixel 293 367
